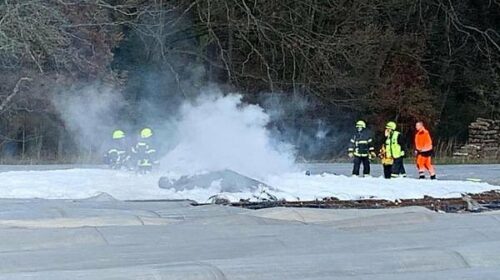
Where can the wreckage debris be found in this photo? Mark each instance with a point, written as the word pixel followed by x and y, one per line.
pixel 467 203
pixel 230 181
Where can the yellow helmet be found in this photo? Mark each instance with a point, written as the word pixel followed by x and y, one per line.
pixel 391 125
pixel 361 124
pixel 118 134
pixel 146 132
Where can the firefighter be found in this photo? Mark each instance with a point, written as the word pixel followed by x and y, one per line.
pixel 361 148
pixel 117 155
pixel 144 153
pixel 394 149
pixel 423 151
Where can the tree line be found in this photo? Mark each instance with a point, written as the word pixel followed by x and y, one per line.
pixel 325 62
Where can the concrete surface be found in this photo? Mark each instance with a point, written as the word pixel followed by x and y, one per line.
pixel 102 238
pixel 486 172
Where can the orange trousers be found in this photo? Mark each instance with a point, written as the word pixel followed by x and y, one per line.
pixel 424 163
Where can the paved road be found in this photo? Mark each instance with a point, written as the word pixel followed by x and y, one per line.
pixel 104 239
pixel 101 238
pixel 44 167
pixel 487 172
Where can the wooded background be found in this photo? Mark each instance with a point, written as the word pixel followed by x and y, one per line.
pixel 323 63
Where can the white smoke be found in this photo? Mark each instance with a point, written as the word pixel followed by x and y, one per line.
pixel 218 132
pixel 211 133
pixel 89 113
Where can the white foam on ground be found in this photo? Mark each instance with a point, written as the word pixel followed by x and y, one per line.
pixel 84 183
pixel 347 188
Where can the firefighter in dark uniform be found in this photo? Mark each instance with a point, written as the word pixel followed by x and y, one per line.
pixel 144 153
pixel 361 148
pixel 117 156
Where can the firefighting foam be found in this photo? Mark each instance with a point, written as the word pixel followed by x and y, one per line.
pixel 78 183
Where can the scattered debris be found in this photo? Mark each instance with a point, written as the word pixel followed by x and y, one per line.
pixel 228 180
pixel 467 203
pixel 219 199
pixel 264 195
pixel 472 205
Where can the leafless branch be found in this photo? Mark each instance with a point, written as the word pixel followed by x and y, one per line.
pixel 14 92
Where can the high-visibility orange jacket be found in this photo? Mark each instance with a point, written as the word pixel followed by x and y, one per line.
pixel 423 141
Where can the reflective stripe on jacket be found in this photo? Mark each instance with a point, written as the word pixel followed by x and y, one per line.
pixel 361 144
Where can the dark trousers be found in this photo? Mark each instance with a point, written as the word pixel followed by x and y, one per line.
pixel 387 171
pixel 398 167
pixel 357 163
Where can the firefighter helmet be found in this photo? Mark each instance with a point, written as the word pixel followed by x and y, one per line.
pixel 146 132
pixel 118 134
pixel 361 124
pixel 391 125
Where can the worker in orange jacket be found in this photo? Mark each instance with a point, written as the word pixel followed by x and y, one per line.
pixel 424 151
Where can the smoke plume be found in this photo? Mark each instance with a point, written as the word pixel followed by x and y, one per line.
pixel 221 132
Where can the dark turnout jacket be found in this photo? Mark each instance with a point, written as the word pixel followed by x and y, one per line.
pixel 361 143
